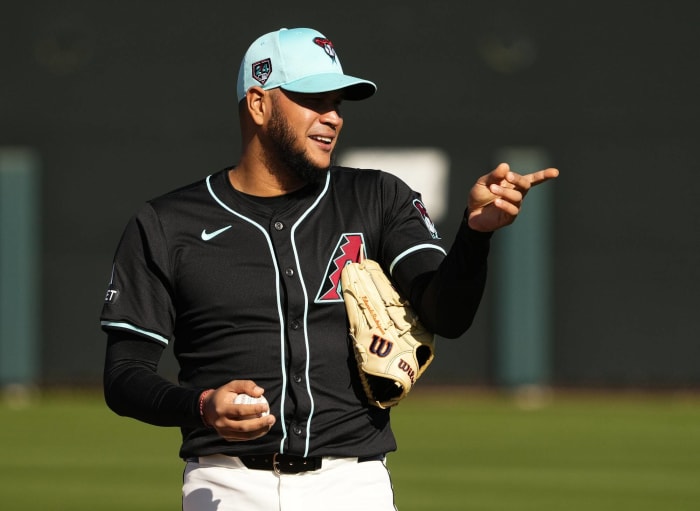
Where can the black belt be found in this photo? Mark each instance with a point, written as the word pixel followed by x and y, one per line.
pixel 290 464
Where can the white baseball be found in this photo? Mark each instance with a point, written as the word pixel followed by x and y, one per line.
pixel 245 399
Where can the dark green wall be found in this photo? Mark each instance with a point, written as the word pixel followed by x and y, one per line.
pixel 127 100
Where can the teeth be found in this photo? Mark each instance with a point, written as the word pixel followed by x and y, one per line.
pixel 326 140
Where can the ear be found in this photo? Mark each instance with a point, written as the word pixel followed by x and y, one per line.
pixel 256 103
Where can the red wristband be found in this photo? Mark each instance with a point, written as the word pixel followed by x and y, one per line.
pixel 202 397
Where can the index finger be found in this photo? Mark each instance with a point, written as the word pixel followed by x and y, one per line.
pixel 541 176
pixel 244 387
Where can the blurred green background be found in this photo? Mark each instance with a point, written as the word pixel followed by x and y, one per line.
pixel 458 450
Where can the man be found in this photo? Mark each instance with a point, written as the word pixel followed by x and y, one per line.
pixel 240 272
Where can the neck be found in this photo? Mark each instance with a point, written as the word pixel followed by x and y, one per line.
pixel 261 181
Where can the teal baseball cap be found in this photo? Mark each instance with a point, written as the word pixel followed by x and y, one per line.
pixel 298 60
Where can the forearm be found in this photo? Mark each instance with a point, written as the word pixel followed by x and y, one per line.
pixel 448 298
pixel 133 387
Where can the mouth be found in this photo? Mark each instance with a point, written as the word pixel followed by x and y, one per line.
pixel 327 141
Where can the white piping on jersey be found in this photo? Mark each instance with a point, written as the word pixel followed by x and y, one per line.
pixel 306 309
pixel 411 250
pixel 128 326
pixel 280 313
pixel 279 305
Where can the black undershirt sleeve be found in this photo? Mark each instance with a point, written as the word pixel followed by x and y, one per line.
pixel 133 387
pixel 448 298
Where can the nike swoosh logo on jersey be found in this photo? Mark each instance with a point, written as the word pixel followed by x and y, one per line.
pixel 206 236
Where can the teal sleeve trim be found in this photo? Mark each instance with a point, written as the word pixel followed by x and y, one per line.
pixel 132 328
pixel 411 250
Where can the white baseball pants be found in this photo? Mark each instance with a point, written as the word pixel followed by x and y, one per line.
pixel 223 483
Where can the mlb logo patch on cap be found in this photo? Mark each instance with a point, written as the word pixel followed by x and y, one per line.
pixel 262 70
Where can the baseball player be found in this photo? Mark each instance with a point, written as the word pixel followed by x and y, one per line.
pixel 240 274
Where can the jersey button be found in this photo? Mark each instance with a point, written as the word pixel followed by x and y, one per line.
pixel 295 325
pixel 297 378
pixel 279 226
pixel 289 272
pixel 297 430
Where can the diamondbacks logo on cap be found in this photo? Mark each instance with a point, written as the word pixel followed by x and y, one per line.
pixel 327 46
pixel 262 70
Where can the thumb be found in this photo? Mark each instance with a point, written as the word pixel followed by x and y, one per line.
pixel 501 171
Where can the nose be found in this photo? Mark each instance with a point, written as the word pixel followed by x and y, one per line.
pixel 332 117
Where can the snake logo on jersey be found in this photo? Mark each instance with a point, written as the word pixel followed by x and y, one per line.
pixel 346 251
pixel 426 218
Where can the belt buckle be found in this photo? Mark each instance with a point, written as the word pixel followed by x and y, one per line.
pixel 276 464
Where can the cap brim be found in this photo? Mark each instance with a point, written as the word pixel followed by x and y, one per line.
pixel 354 89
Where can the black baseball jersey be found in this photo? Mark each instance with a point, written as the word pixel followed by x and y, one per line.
pixel 249 288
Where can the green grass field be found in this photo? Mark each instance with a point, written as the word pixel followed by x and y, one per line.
pixel 458 450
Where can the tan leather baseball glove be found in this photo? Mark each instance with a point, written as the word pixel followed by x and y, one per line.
pixel 392 348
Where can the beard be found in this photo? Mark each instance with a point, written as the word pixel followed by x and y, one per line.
pixel 284 153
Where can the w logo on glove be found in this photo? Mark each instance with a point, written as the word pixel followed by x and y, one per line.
pixel 380 347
